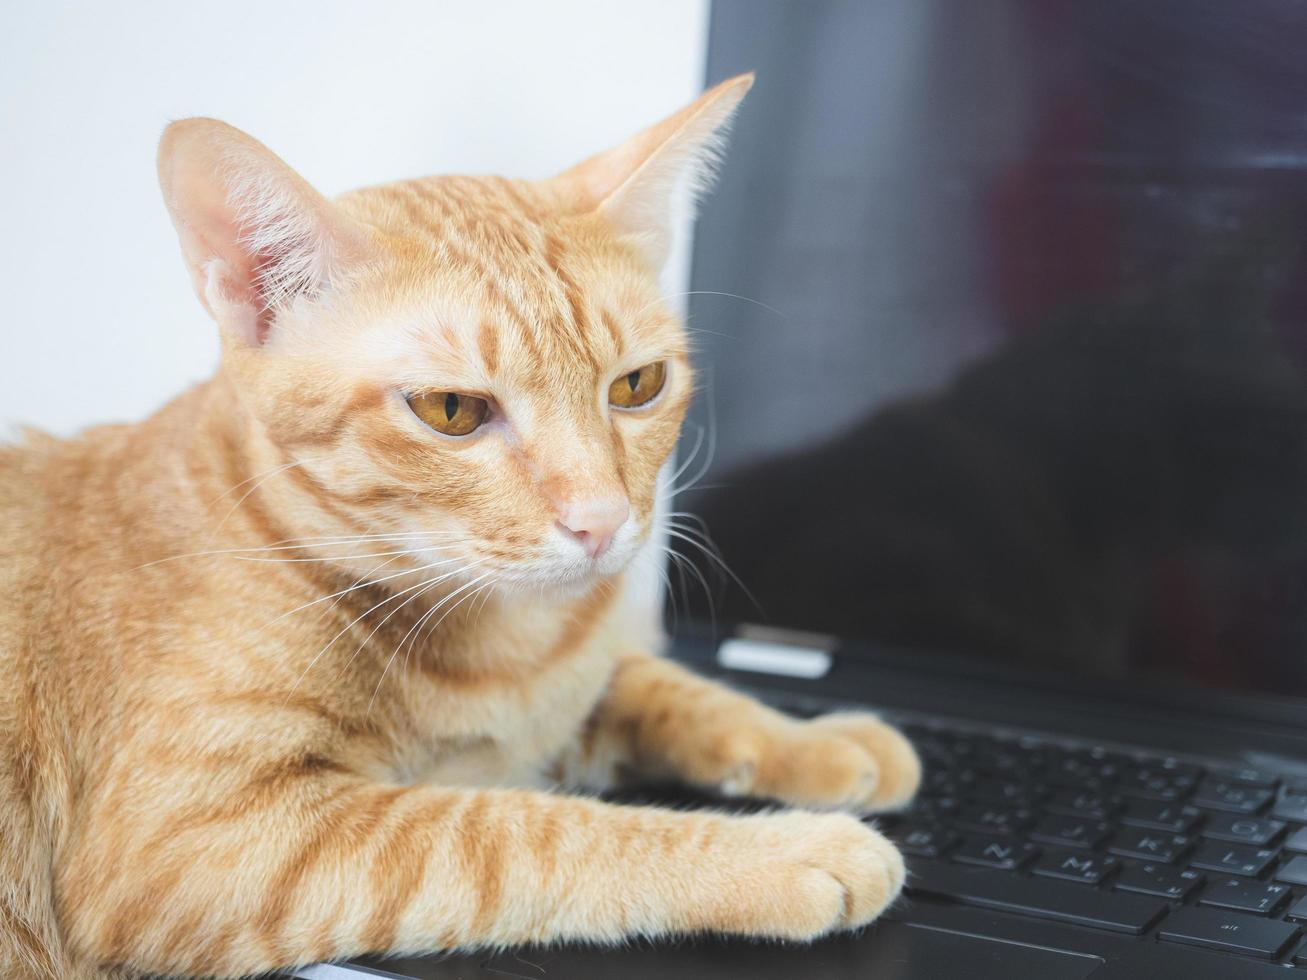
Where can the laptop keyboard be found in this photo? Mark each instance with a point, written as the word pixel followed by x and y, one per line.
pixel 1134 843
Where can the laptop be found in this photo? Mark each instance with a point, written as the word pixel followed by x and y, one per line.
pixel 1001 316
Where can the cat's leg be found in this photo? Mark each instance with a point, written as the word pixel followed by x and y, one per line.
pixel 658 719
pixel 307 862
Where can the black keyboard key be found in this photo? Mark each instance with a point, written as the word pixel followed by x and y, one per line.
pixel 1249 775
pixel 1037 897
pixel 934 752
pixel 1078 866
pixel 1258 831
pixel 1159 815
pixel 947 782
pixel 1242 895
pixel 1295 872
pixel 1099 763
pixel 1232 859
pixel 1002 854
pixel 936 807
pixel 1229 931
pixel 1297 841
pixel 921 840
pixel 1156 783
pixel 1220 794
pixel 1074 771
pixel 1069 832
pixel 1004 761
pixel 1111 764
pixel 1173 765
pixel 1078 803
pixel 1299 910
pixel 980 819
pixel 1159 880
pixel 1007 793
pixel 1291 804
pixel 1149 845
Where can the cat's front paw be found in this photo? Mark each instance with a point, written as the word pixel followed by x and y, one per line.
pixel 800 876
pixel 850 760
pixel 899 768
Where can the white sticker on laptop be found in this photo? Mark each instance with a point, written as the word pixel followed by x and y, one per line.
pixel 780 659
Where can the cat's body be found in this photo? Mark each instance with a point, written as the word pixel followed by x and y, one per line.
pixel 262 649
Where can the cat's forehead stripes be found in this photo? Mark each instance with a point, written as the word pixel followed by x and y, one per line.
pixel 525 266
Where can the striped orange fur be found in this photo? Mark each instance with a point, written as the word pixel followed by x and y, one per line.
pixel 291 676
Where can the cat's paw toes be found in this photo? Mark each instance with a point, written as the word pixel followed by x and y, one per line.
pixel 828 872
pixel 850 761
pixel 898 767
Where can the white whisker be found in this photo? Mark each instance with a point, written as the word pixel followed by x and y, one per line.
pixel 698 441
pixel 683 562
pixel 256 476
pixel 384 578
pixel 713 292
pixel 391 660
pixel 377 554
pixel 245 496
pixel 423 586
pixel 708 459
pixel 710 549
pixel 326 542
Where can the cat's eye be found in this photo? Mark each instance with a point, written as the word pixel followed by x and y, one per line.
pixel 639 387
pixel 448 412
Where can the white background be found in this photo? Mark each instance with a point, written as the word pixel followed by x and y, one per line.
pixel 99 322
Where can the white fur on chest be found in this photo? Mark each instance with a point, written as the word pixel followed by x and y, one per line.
pixel 505 735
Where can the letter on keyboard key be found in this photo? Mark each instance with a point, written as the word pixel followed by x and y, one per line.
pixel 1217 794
pixel 1155 815
pixel 1078 866
pixel 923 840
pixel 995 820
pixel 1159 880
pixel 1258 831
pixel 1069 832
pixel 1149 845
pixel 1132 914
pixel 1242 895
pixel 1005 855
pixel 1232 859
pixel 1229 931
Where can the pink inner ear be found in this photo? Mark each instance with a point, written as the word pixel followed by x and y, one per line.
pixel 225 276
pixel 633 184
pixel 255 235
pixel 231 304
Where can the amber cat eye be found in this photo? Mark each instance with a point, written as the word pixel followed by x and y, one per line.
pixel 447 412
pixel 638 387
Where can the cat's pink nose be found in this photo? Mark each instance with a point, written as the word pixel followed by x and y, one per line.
pixel 594 522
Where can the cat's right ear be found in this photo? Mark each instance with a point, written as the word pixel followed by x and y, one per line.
pixel 255 236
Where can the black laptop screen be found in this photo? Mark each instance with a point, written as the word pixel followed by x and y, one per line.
pixel 1001 317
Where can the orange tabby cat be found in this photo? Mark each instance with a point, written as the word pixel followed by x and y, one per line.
pixel 292 666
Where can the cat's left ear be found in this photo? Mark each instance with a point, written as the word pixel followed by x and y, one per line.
pixel 634 185
pixel 254 234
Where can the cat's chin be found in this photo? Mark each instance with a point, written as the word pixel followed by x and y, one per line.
pixel 566 591
pixel 558 586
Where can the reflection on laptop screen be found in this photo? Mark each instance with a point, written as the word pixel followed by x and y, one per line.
pixel 1019 371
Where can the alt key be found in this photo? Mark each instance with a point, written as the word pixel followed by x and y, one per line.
pixel 1230 931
